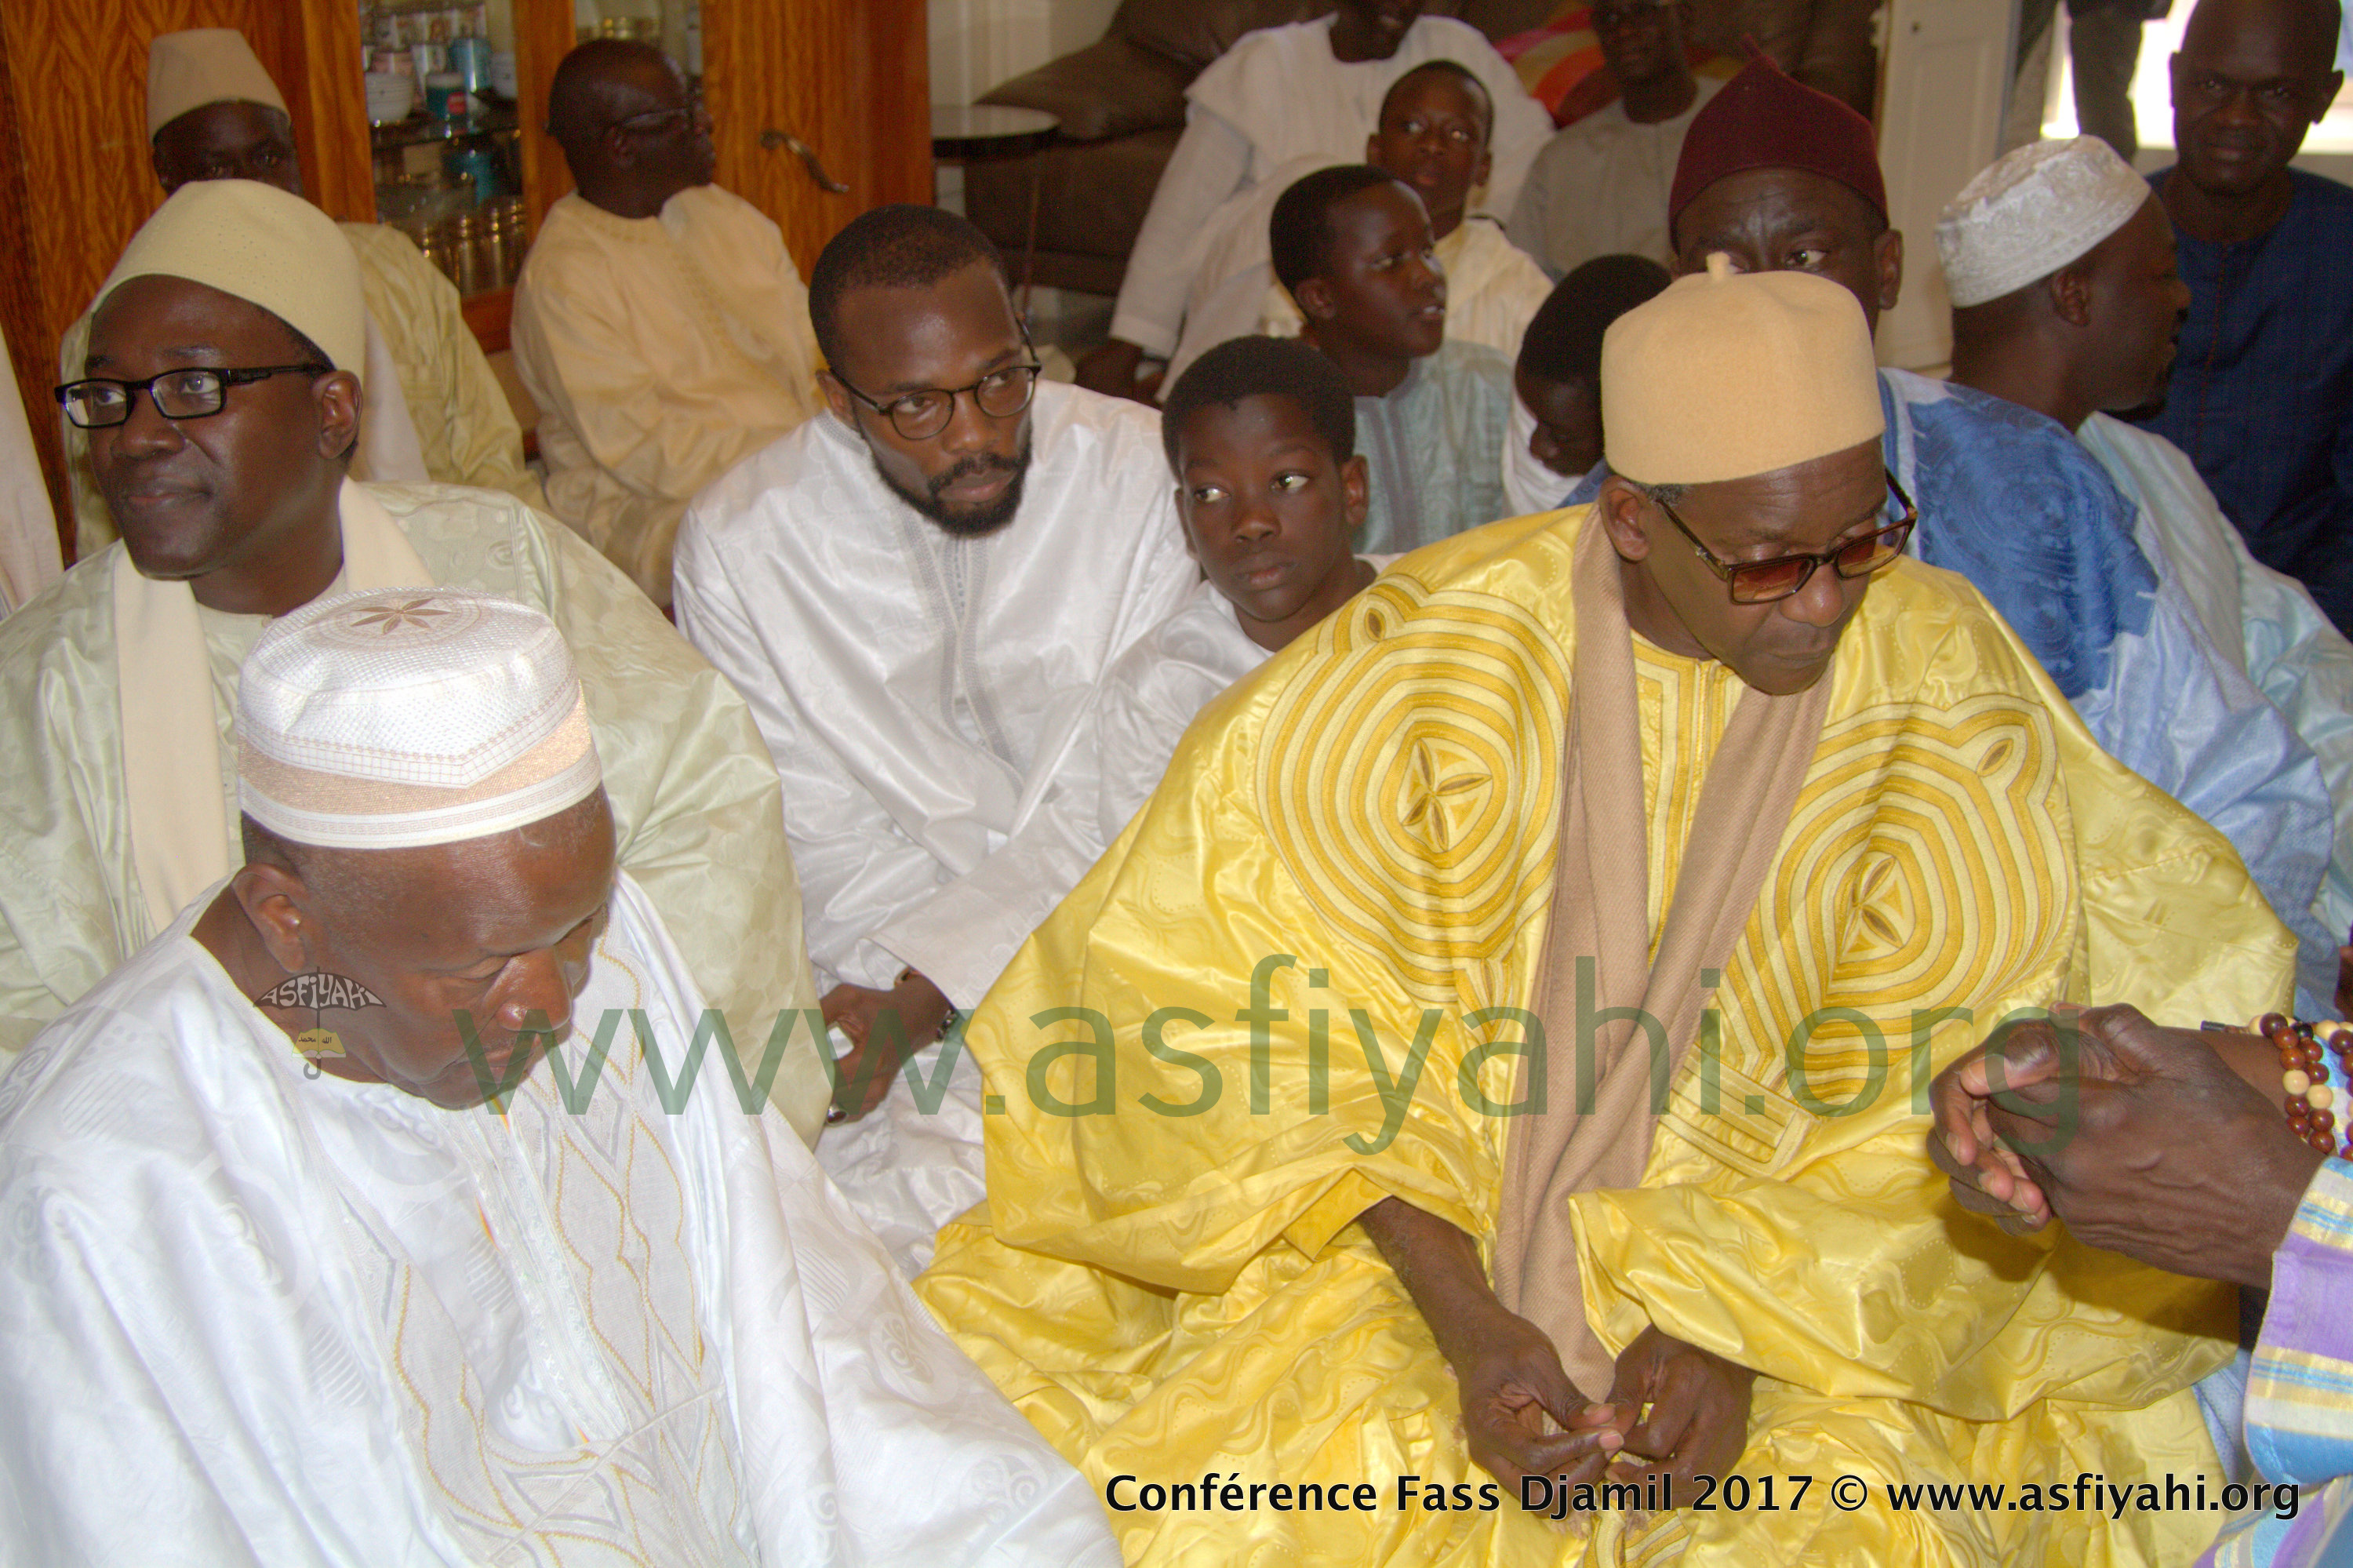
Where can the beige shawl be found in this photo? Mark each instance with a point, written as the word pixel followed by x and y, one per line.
pixel 1601 912
pixel 179 827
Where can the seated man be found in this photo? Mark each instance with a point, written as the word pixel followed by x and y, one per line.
pixel 292 1298
pixel 1777 176
pixel 1261 434
pixel 1599 187
pixel 2168 1146
pixel 1433 135
pixel 438 412
pixel 659 322
pixel 1352 245
pixel 916 592
pixel 1556 439
pixel 1717 718
pixel 234 507
pixel 1307 90
pixel 2261 394
pixel 2060 260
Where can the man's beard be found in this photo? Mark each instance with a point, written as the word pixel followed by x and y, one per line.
pixel 971 524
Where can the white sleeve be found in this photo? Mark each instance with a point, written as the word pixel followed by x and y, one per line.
pixel 2304 665
pixel 854 862
pixel 1211 161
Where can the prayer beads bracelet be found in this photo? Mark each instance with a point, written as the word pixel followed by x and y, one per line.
pixel 2304 1076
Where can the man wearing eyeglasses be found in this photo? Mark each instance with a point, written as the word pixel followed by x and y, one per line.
pixel 214 113
pixel 659 322
pixel 1780 178
pixel 916 592
pixel 221 401
pixel 1523 1019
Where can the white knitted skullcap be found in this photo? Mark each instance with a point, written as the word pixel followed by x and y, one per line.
pixel 410 716
pixel 1729 373
pixel 2030 212
pixel 203 65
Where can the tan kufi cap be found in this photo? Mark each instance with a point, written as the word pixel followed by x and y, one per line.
pixel 2030 212
pixel 1728 373
pixel 408 717
pixel 265 247
pixel 204 65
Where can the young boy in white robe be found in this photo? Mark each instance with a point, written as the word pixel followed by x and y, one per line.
pixel 1260 435
pixel 1556 437
pixel 1353 246
pixel 1303 90
pixel 1434 135
pixel 380 1209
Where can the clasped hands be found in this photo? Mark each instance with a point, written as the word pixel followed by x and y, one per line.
pixel 2166 1145
pixel 1672 1407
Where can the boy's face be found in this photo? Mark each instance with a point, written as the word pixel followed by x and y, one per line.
pixel 1268 514
pixel 1567 436
pixel 1433 136
pixel 1382 290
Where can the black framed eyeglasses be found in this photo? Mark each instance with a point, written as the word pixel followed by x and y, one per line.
pixel 191 394
pixel 919 416
pixel 1762 582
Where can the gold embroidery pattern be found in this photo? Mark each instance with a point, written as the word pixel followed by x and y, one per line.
pixel 1410 772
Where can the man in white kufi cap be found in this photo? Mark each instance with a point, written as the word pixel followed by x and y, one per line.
pixel 438 413
pixel 386 1208
pixel 2065 300
pixel 1739 822
pixel 222 405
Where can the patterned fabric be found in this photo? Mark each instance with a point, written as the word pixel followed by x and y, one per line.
pixel 2261 394
pixel 1434 447
pixel 2263 621
pixel 248 1316
pixel 465 427
pixel 1355 847
pixel 2299 1411
pixel 695 800
pixel 2012 502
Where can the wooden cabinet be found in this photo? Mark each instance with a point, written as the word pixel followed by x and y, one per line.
pixel 846 79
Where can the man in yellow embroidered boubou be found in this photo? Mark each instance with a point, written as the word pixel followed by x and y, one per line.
pixel 221 402
pixel 1480 1085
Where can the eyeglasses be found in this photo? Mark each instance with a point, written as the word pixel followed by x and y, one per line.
pixel 191 394
pixel 660 122
pixel 1762 582
pixel 919 416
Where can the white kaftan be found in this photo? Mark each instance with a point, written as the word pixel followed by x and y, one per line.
pixel 661 352
pixel 1601 188
pixel 915 1164
pixel 910 683
pixel 1278 96
pixel 2261 621
pixel 248 1316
